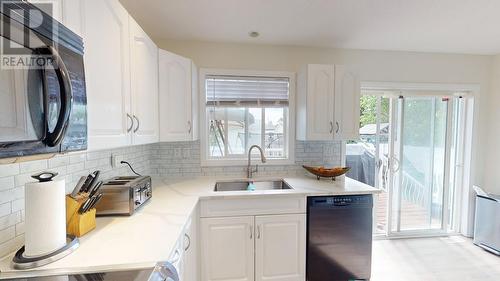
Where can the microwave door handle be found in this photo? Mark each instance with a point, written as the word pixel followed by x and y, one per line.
pixel 66 92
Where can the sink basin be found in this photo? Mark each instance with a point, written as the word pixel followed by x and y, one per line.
pixel 243 185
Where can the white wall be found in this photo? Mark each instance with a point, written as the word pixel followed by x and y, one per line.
pixel 384 66
pixel 491 172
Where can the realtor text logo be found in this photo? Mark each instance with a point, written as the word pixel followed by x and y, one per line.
pixel 26 35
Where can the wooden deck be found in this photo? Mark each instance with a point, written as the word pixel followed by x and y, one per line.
pixel 412 216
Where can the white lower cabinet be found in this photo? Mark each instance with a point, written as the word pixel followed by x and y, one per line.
pixel 249 248
pixel 227 249
pixel 191 250
pixel 280 248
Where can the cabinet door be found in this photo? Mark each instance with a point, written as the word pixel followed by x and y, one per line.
pixel 144 85
pixel 51 7
pixel 280 247
pixel 66 12
pixel 191 249
pixel 107 73
pixel 320 101
pixel 177 258
pixel 227 249
pixel 15 124
pixel 347 95
pixel 176 122
pixel 72 15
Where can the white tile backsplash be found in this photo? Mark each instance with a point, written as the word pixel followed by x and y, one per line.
pixel 71 167
pixel 176 159
pixel 182 159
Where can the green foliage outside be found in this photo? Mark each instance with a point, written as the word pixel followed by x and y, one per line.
pixel 368 106
pixel 418 118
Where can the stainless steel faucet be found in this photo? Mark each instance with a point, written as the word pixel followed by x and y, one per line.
pixel 250 171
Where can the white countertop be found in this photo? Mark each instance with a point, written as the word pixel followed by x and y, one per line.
pixel 150 235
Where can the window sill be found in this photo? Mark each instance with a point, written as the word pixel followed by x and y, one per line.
pixel 244 162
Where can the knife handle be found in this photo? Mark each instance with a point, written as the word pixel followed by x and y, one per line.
pixel 94 189
pixel 95 178
pixel 78 187
pixel 96 200
pixel 84 206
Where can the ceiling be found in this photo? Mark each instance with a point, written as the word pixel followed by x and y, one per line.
pixel 447 26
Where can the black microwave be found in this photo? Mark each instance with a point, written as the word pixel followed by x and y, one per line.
pixel 43 103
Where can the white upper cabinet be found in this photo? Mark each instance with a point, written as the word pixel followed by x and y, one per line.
pixel 144 85
pixel 107 71
pixel 327 103
pixel 178 93
pixel 15 117
pixel 51 7
pixel 68 12
pixel 347 97
pixel 316 102
pixel 280 247
pixel 121 69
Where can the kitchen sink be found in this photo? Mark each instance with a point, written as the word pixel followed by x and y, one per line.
pixel 242 185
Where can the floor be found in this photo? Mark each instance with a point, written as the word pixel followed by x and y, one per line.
pixel 433 259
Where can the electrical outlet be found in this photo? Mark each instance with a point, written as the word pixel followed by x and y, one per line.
pixel 115 160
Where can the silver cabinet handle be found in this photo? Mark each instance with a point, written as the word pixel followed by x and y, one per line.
pixel 258 231
pixel 338 127
pixel 251 232
pixel 176 257
pixel 138 124
pixel 189 127
pixel 331 127
pixel 189 242
pixel 131 123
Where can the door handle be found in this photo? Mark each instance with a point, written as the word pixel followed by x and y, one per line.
pixel 189 127
pixel 331 127
pixel 251 232
pixel 258 231
pixel 396 161
pixel 338 127
pixel 131 123
pixel 138 124
pixel 66 93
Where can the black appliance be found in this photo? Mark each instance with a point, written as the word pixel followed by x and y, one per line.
pixel 339 238
pixel 42 84
pixel 163 271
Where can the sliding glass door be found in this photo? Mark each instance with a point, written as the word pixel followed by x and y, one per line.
pixel 410 149
pixel 420 164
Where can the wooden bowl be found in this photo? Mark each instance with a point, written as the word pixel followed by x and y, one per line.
pixel 322 172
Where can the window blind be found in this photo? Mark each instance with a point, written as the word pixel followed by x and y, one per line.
pixel 246 91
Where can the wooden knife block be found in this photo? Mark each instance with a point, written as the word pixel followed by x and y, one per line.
pixel 78 224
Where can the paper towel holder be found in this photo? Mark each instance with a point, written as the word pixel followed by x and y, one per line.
pixel 44 176
pixel 19 261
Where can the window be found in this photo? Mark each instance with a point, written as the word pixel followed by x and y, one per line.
pixel 246 110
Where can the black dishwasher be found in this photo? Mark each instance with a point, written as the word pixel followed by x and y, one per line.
pixel 339 238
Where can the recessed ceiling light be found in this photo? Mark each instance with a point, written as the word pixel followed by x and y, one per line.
pixel 253 34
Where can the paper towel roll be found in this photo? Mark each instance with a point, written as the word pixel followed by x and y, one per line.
pixel 45 219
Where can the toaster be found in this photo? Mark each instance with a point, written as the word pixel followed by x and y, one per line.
pixel 124 195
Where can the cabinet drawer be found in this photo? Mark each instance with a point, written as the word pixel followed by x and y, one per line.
pixel 274 204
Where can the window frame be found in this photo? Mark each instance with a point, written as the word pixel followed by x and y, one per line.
pixel 206 161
